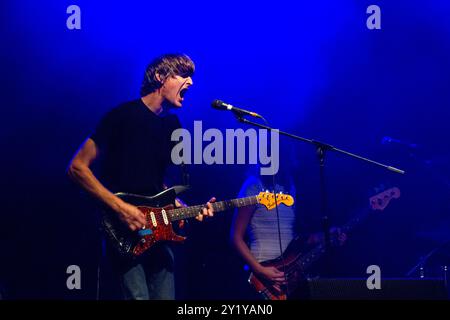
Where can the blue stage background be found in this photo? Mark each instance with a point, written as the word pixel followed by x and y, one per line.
pixel 311 68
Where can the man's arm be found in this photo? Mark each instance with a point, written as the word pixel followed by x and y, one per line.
pixel 79 170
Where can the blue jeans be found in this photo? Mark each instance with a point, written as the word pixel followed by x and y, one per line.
pixel 151 277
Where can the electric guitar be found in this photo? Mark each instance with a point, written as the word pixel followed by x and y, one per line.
pixel 160 212
pixel 295 262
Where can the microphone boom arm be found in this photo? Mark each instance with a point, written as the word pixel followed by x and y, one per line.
pixel 321 145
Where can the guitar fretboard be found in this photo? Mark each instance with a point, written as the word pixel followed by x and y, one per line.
pixel 305 261
pixel 190 212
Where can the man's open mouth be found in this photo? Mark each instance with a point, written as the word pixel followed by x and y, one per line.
pixel 183 92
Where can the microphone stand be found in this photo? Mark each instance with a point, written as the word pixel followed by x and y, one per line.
pixel 239 115
pixel 321 149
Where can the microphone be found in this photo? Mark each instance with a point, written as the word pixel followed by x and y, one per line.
pixel 220 105
pixel 390 140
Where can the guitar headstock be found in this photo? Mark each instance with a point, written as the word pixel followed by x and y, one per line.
pixel 268 199
pixel 381 200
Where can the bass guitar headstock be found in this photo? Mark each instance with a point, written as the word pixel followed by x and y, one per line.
pixel 381 200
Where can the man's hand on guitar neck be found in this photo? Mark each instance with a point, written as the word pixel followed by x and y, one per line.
pixel 207 210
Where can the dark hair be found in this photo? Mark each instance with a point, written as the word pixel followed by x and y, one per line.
pixel 166 66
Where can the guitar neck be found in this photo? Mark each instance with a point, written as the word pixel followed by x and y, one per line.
pixel 193 211
pixel 350 225
pixel 305 261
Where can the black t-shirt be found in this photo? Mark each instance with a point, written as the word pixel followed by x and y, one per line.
pixel 135 148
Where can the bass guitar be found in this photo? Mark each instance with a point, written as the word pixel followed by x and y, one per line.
pixel 296 262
